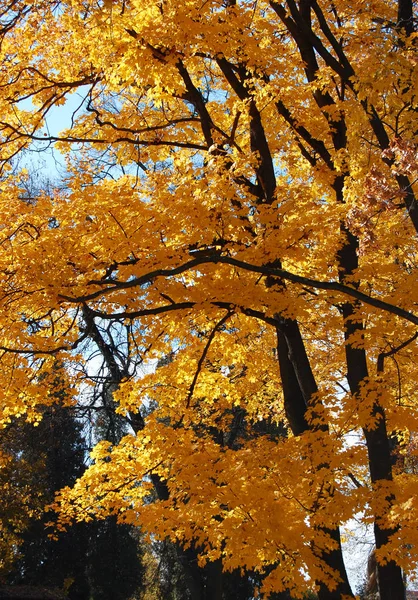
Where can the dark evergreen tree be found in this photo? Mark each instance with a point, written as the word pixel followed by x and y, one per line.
pixel 92 561
pixel 115 570
pixel 56 563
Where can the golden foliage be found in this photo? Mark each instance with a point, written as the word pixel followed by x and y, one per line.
pixel 239 176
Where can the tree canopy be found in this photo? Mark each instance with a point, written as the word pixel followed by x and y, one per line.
pixel 238 211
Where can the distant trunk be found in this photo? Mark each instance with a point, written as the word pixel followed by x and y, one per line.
pixel 406 16
pixel 390 581
pixel 298 387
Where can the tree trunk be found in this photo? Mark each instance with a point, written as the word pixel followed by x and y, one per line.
pixel 298 387
pixel 391 584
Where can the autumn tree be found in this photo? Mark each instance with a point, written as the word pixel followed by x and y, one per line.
pixel 171 570
pixel 240 195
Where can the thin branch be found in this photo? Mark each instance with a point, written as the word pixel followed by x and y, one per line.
pixel 204 354
pixel 88 140
pixel 383 355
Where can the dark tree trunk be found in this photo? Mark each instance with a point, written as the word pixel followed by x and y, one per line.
pixel 298 387
pixel 213 588
pixel 406 16
pixel 391 584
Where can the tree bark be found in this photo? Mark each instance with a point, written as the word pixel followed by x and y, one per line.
pixel 298 387
pixel 390 580
pixel 406 16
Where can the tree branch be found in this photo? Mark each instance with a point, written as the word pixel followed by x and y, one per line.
pixel 214 258
pixel 202 359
